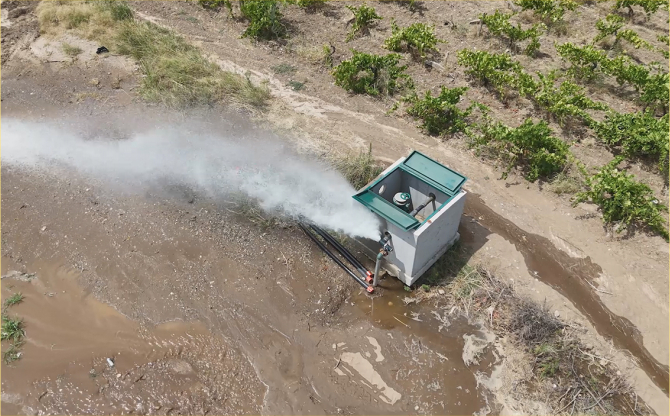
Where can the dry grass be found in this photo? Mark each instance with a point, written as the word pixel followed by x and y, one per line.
pixel 564 183
pixel 565 375
pixel 359 169
pixel 176 72
pixel 71 50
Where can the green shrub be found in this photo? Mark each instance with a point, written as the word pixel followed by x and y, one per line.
pixel 418 36
pixel 530 147
pixel 372 74
pixel 498 24
pixel 217 4
pixel 637 135
pixel 568 100
pixel 655 92
pixel 364 17
pixel 493 70
pixel 440 115
pixel 264 19
pixel 586 61
pixel 612 26
pixel 664 49
pixel 623 199
pixel 650 6
pixel 310 5
pixel 551 11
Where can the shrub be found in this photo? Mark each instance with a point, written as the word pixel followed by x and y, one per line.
pixel 418 36
pixel 364 17
pixel 664 50
pixel 612 26
pixel 586 61
pixel 655 92
pixel 650 6
pixel 217 4
pixel 310 5
pixel 264 19
pixel 551 11
pixel 71 50
pixel 440 115
pixel 493 70
pixel 499 25
pixel 568 100
pixel 624 200
pixel 530 147
pixel 372 74
pixel 637 135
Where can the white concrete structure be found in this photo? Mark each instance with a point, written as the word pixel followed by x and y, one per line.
pixel 419 240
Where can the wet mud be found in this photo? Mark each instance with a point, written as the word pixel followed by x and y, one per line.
pixel 570 276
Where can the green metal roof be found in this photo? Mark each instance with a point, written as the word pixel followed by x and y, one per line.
pixel 422 167
pixel 387 210
pixel 434 173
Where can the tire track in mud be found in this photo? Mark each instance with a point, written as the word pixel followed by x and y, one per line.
pixel 571 277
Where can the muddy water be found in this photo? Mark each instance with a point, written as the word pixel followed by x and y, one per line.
pixel 70 336
pixel 567 275
pixel 435 342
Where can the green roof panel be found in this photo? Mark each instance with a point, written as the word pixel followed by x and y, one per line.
pixel 436 173
pixel 382 207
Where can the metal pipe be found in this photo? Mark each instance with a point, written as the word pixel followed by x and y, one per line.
pixel 431 198
pixel 377 266
pixel 344 252
pixel 367 287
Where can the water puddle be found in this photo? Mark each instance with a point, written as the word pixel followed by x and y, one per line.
pixel 567 275
pixel 81 356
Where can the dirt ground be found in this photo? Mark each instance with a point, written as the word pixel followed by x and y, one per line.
pixel 202 311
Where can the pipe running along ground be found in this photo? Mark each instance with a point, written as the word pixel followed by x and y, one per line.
pixel 339 262
pixel 344 252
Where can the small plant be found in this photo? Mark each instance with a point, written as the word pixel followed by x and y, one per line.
pixel 612 26
pixel 623 200
pixel 586 61
pixel 217 4
pixel 71 50
pixel 15 299
pixel 551 11
pixel 11 354
pixel 664 50
pixel 440 115
pixel 264 19
pixel 296 85
pixel 530 147
pixel 310 5
pixel 418 36
pixel 407 288
pixel 372 74
pixel 636 135
pixel 364 17
pixel 650 6
pixel 564 184
pixel 656 93
pixel 499 25
pixel 12 329
pixel 284 69
pixel 358 170
pixel 493 70
pixel 569 100
pixel 426 288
